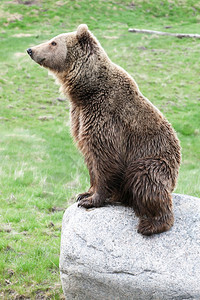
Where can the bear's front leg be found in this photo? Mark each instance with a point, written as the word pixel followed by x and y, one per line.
pixel 92 184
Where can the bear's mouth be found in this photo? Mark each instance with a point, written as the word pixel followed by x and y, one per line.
pixel 41 61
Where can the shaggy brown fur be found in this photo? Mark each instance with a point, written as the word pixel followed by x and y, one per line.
pixel 131 150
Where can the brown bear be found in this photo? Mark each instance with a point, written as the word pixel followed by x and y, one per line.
pixel 131 151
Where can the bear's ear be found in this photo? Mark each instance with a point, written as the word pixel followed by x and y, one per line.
pixel 86 39
pixel 82 32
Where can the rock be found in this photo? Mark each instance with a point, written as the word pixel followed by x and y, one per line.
pixel 104 258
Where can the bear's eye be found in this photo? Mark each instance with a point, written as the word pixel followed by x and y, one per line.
pixel 53 43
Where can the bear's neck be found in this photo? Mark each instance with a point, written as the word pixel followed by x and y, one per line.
pixel 84 82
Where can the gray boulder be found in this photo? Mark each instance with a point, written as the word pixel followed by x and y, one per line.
pixel 104 258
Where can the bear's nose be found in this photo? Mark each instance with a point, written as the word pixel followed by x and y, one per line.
pixel 29 51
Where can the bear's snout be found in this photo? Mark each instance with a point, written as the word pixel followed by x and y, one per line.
pixel 29 51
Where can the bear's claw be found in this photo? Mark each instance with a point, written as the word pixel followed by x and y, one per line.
pixel 82 196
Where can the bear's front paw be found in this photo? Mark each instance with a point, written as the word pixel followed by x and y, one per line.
pixel 83 195
pixel 92 201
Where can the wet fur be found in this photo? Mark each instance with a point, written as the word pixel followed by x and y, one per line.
pixel 131 151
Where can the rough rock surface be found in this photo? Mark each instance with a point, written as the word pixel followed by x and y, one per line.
pixel 104 258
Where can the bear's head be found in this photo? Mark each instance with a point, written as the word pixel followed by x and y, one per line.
pixel 60 53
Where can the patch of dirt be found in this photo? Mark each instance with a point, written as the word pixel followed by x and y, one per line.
pixel 19 54
pixel 25 2
pixel 10 17
pixel 6 228
pixel 111 37
pixel 28 2
pixel 60 3
pixel 55 209
pixel 11 294
pixel 45 118
pixel 50 225
pixel 7 282
pixel 4 119
pixel 131 6
pixel 8 248
pixel 142 48
pixel 61 99
pixel 10 272
pixel 21 297
pixel 19 35
pixel 37 295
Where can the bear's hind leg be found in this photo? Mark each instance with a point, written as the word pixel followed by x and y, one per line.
pixel 152 225
pixel 149 184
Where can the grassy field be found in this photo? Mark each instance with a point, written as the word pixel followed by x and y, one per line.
pixel 41 171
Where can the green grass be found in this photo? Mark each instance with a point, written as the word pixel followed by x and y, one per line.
pixel 41 170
